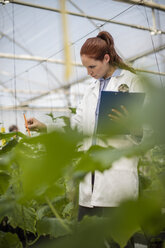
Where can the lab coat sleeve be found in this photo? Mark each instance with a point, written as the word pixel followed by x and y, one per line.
pixel 77 119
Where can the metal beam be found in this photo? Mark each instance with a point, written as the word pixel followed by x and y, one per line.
pixel 151 72
pixel 86 16
pixel 7 89
pixel 60 109
pixel 25 79
pixel 53 90
pixel 148 4
pixel 25 103
pixel 81 11
pixel 139 56
pixel 26 50
pixel 23 91
pixel 35 58
pixel 30 92
pixel 78 64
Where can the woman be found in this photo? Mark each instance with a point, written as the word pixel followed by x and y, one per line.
pixel 103 63
pixel 107 189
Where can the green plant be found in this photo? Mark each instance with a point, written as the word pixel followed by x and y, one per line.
pixel 39 179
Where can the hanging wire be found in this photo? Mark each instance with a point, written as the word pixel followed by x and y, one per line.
pixel 28 83
pixel 2 21
pixel 73 43
pixel 49 87
pixel 26 50
pixel 1 115
pixel 82 12
pixel 76 74
pixel 154 49
pixel 14 66
pixel 101 25
pixel 29 87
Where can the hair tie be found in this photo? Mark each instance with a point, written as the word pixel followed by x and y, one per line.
pixel 98 36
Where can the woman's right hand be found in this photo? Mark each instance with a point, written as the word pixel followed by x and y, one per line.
pixel 36 125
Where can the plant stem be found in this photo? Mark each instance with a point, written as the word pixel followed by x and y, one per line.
pixel 56 214
pixel 34 241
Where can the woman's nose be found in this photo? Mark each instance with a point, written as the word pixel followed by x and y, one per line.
pixel 89 72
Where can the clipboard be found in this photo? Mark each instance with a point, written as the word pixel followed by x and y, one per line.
pixel 113 100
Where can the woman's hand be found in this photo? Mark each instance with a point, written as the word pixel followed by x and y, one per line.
pixel 36 125
pixel 117 115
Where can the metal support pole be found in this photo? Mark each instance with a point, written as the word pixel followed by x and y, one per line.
pixel 25 57
pixel 148 4
pixel 146 53
pixel 85 16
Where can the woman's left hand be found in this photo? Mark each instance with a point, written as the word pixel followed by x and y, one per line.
pixel 117 115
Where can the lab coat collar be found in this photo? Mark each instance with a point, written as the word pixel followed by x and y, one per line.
pixel 116 73
pixel 95 86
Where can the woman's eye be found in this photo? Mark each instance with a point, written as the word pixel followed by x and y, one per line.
pixel 92 66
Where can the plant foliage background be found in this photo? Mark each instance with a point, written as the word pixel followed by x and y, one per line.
pixel 39 179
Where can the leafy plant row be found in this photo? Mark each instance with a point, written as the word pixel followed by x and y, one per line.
pixel 39 179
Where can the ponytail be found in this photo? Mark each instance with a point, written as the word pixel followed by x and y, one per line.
pixel 100 45
pixel 115 59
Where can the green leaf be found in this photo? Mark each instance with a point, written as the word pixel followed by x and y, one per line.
pixel 51 116
pixel 154 114
pixel 108 155
pixel 23 217
pixel 59 204
pixel 144 182
pixel 4 162
pixel 66 120
pixel 53 227
pixel 89 162
pixel 119 225
pixel 88 233
pixel 6 206
pixel 4 181
pixel 100 158
pixel 68 210
pixel 9 240
pixel 131 216
pixel 8 147
pixel 12 134
pixel 45 167
pixel 123 223
pixel 43 211
pixel 73 110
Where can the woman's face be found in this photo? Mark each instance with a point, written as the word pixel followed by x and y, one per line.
pixel 96 68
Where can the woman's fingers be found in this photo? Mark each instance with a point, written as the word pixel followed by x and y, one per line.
pixel 117 112
pixel 114 117
pixel 32 123
pixel 117 115
pixel 36 125
pixel 124 110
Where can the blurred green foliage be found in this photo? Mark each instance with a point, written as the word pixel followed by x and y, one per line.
pixel 39 179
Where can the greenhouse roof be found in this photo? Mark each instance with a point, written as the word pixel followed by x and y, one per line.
pixel 32 53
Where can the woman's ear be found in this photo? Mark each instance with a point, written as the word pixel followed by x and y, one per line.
pixel 106 58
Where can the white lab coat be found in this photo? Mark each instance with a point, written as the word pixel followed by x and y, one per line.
pixel 121 180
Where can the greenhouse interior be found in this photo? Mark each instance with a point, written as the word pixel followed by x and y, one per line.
pixel 60 177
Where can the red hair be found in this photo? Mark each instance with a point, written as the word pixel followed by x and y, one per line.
pixel 103 43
